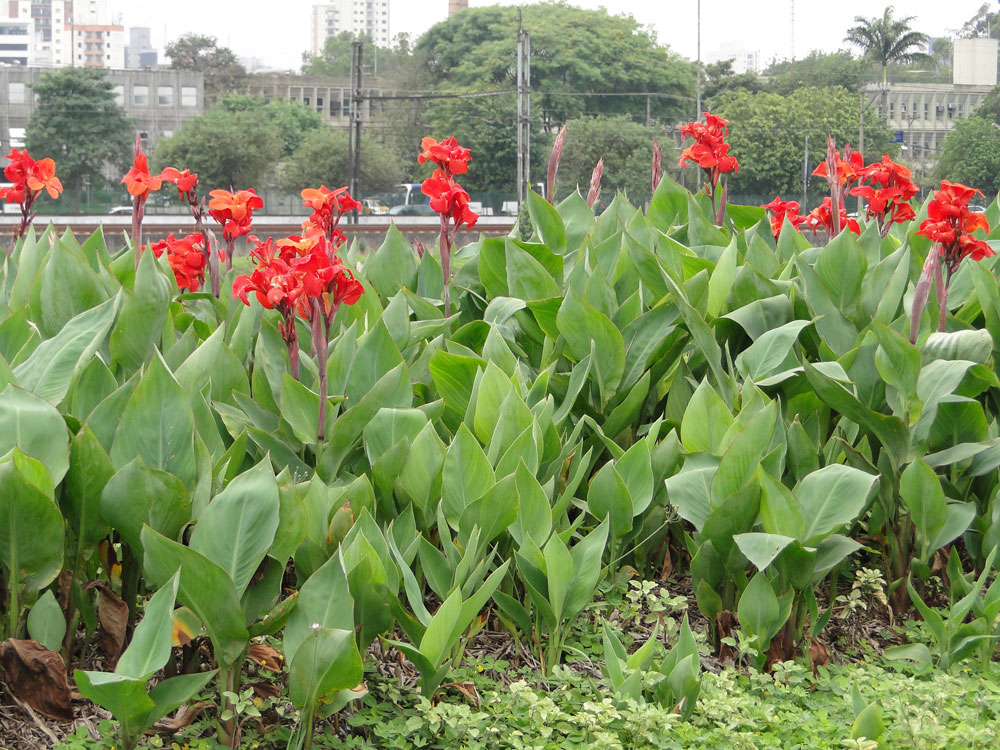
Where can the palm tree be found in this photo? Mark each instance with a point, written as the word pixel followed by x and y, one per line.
pixel 887 40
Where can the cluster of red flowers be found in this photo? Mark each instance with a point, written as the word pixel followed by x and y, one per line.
pixel 889 203
pixel 234 211
pixel 186 183
pixel 950 223
pixel 782 210
pixel 186 256
pixel 29 178
pixel 822 216
pixel 138 180
pixel 328 206
pixel 447 197
pixel 709 150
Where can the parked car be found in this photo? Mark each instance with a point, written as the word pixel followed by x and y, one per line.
pixel 414 209
pixel 121 211
pixel 374 207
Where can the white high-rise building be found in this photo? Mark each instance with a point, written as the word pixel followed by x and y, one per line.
pixel 17 33
pixel 72 32
pixel 363 18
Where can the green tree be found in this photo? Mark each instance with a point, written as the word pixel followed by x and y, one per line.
pixel 337 56
pixel 817 69
pixel 971 155
pixel 719 77
pixel 583 61
pixel 768 134
pixel 625 146
pixel 322 160
pixel 887 40
pixel 77 122
pixel 293 119
pixel 202 54
pixel 227 149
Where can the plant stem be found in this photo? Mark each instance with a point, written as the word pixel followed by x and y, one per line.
pixel 130 582
pixel 137 210
pixel 446 264
pixel 319 342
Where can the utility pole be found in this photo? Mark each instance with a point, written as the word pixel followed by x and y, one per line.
pixel 805 176
pixel 523 111
pixel 354 147
pixel 697 115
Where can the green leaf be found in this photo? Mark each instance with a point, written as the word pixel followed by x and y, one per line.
pixel 150 646
pixel 393 266
pixel 868 723
pixel 326 662
pixel 158 426
pixel 324 601
pixel 143 313
pixel 124 697
pixel 46 622
pixel 921 492
pixel 559 570
pixel 169 694
pixel 547 221
pixel 831 497
pixel 31 526
pixel 466 474
pixel 35 428
pixel 761 549
pixel 527 279
pixel 608 498
pixel 975 346
pixel 56 362
pixel 772 351
pixel 585 328
pixel 420 478
pixel 137 495
pixel 780 512
pixel 586 556
pixel 236 530
pixel 706 421
pixel 759 611
pixel 89 471
pixel 204 587
pixel 492 513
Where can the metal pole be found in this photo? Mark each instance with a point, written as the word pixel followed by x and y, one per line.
pixel 805 176
pixel 697 115
pixel 520 114
pixel 357 96
pixel 527 108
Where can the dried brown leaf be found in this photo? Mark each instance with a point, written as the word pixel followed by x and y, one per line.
pixel 37 676
pixel 265 656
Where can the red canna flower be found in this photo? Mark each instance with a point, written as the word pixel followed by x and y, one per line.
pixel 782 210
pixel 848 169
pixel 889 203
pixel 28 178
pixel 822 216
pixel 138 181
pixel 710 152
pixel 328 206
pixel 234 211
pixel 449 199
pixel 186 257
pixel 186 182
pixel 950 224
pixel 447 154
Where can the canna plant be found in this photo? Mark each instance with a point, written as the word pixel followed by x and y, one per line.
pixel 140 183
pixel 28 179
pixel 710 152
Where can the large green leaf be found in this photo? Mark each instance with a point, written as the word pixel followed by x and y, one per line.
pixel 51 368
pixel 585 329
pixel 150 646
pixel 34 426
pixel 832 497
pixel 137 495
pixel 324 602
pixel 547 222
pixel 326 662
pixel 89 471
pixel 706 421
pixel 158 426
pixel 236 530
pixel 143 313
pixel 205 588
pixel 466 474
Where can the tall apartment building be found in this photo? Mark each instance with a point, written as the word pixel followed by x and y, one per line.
pixel 140 52
pixel 368 18
pixel 17 33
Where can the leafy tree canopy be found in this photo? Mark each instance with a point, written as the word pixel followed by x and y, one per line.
pixel 202 54
pixel 573 52
pixel 768 133
pixel 887 40
pixel 377 61
pixel 293 119
pixel 625 146
pixel 322 160
pixel 77 122
pixel 818 69
pixel 719 76
pixel 226 148
pixel 971 154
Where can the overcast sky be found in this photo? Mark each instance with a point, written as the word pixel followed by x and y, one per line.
pixel 278 32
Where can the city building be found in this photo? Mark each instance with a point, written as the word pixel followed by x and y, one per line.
pixel 140 52
pixel 921 114
pixel 362 18
pixel 157 101
pixel 745 60
pixel 330 97
pixel 17 33
pixel 456 5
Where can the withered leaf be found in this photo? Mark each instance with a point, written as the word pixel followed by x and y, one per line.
pixel 37 676
pixel 183 717
pixel 265 656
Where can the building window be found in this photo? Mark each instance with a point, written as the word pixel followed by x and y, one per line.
pixel 15 92
pixel 119 95
pixel 165 96
pixel 189 96
pixel 927 110
pixel 140 96
pixel 17 137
